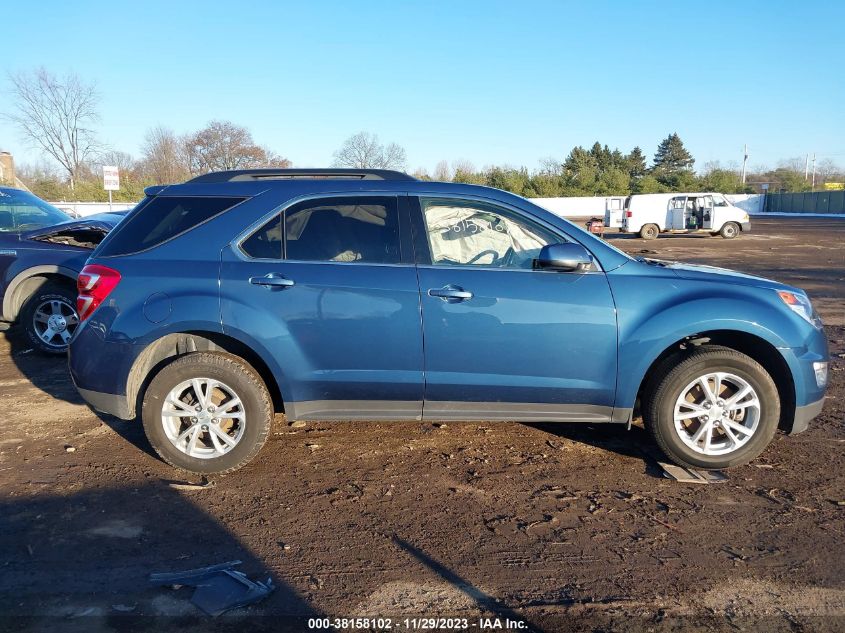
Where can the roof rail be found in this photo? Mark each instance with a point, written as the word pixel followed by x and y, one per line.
pixel 240 175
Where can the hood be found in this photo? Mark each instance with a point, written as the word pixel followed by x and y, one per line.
pixel 98 222
pixel 700 272
pixel 86 233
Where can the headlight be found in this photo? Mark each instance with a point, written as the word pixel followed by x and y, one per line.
pixel 800 304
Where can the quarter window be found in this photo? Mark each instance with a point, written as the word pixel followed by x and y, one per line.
pixel 266 242
pixel 358 229
pixel 469 233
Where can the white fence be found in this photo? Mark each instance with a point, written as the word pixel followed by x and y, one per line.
pixel 90 208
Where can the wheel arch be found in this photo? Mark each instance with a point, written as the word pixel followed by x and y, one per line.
pixel 160 351
pixel 746 343
pixel 25 283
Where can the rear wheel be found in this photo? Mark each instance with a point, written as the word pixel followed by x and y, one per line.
pixel 207 413
pixel 730 230
pixel 715 408
pixel 49 317
pixel 649 232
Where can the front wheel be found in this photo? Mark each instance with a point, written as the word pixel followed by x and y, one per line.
pixel 730 230
pixel 716 408
pixel 207 413
pixel 49 317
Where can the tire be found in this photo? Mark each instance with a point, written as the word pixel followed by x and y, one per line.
pixel 235 379
pixel 663 400
pixel 730 230
pixel 649 231
pixel 50 309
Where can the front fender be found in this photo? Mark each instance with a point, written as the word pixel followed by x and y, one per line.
pixel 655 315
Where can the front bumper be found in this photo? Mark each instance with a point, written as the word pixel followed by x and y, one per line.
pixel 804 414
pixel 746 226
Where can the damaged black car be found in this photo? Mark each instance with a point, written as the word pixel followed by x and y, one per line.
pixel 42 250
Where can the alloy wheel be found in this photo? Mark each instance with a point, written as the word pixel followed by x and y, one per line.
pixel 203 418
pixel 717 413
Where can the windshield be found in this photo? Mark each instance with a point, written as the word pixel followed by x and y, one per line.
pixel 22 211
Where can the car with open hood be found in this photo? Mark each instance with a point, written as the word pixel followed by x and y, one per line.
pixel 42 250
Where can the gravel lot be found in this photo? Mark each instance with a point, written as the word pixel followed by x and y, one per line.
pixel 555 525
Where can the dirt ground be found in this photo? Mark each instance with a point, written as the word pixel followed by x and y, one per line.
pixel 560 527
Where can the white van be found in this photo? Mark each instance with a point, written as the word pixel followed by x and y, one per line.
pixel 653 213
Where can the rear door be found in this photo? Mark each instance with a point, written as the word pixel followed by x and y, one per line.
pixel 503 341
pixel 328 288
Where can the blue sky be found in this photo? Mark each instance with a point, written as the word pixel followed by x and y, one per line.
pixel 490 82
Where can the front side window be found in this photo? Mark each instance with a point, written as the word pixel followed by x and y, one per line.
pixel 720 201
pixel 469 233
pixel 356 229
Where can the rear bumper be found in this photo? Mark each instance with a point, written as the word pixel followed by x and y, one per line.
pixel 804 414
pixel 109 403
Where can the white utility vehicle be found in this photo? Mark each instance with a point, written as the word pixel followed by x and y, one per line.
pixel 651 214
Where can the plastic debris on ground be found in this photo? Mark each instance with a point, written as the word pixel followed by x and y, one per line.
pixel 218 588
pixel 691 475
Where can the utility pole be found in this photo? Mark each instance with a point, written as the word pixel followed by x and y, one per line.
pixel 807 168
pixel 814 173
pixel 744 163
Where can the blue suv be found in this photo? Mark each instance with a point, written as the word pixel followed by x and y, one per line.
pixel 369 295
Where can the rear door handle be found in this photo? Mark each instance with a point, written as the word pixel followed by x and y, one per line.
pixel 450 293
pixel 272 280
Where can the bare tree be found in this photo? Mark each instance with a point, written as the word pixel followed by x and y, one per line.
pixel 442 173
pixel 462 168
pixel 224 145
pixel 122 160
pixel 421 173
pixel 551 166
pixel 56 114
pixel 828 171
pixel 163 156
pixel 364 151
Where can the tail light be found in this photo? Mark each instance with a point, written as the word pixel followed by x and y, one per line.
pixel 94 284
pixel 628 213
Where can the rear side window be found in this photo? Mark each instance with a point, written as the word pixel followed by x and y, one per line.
pixel 161 219
pixel 358 229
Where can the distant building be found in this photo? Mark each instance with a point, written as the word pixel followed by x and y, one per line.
pixel 7 169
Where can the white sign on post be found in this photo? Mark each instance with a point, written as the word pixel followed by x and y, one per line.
pixel 111 180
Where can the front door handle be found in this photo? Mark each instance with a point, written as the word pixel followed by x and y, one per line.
pixel 450 293
pixel 272 280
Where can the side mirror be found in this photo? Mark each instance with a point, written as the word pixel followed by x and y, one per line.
pixel 569 257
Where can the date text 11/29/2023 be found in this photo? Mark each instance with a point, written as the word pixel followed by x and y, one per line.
pixel 417 624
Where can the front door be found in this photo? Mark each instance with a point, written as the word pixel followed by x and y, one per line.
pixel 327 291
pixel 503 341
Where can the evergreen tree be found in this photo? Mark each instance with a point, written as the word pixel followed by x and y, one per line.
pixel 672 160
pixel 636 163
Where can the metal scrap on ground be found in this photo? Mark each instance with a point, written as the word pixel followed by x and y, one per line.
pixel 218 587
pixel 691 475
